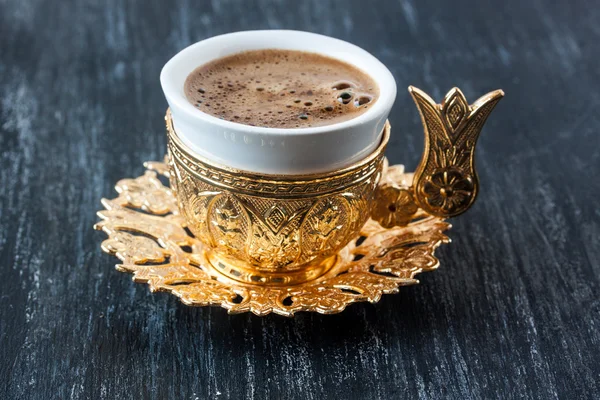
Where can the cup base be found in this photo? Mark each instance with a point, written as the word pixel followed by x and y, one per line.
pixel 240 272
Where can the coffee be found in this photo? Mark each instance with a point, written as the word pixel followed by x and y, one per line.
pixel 281 89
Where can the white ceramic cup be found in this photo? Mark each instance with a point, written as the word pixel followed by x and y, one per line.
pixel 275 150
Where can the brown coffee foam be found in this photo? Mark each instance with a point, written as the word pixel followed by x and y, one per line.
pixel 281 89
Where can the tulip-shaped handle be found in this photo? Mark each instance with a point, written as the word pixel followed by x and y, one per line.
pixel 445 183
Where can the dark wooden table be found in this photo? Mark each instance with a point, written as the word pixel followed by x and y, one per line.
pixel 513 312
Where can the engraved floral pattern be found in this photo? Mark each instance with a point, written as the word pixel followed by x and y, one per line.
pixel 448 189
pixel 147 192
pixel 226 222
pixel 138 249
pixel 393 206
pixel 274 251
pixel 326 224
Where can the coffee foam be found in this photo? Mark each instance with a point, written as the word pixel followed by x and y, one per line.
pixel 281 89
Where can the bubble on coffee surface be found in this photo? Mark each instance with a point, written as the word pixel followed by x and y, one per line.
pixel 281 89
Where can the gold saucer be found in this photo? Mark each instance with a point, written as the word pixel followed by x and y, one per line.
pixel 146 232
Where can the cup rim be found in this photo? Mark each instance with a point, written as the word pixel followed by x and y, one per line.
pixel 377 71
pixel 273 178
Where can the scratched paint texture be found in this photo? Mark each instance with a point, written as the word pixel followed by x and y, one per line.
pixel 513 312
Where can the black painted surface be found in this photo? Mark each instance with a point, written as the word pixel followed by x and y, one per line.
pixel 513 312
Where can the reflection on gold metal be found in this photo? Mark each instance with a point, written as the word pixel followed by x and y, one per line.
pixel 445 182
pixel 147 233
pixel 269 225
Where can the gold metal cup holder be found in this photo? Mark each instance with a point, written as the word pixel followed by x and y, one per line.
pixel 216 236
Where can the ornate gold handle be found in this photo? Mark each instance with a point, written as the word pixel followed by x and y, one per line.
pixel 445 183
